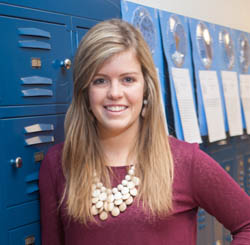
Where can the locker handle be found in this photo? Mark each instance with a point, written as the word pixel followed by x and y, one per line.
pixel 33 32
pixel 17 163
pixel 66 64
pixel 36 92
pixel 34 44
pixel 39 128
pixel 36 80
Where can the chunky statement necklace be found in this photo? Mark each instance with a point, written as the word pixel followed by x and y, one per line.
pixel 115 200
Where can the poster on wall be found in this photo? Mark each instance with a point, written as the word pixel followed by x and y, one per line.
pixel 229 79
pixel 211 118
pixel 174 29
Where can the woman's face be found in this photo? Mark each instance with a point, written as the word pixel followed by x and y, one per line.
pixel 116 94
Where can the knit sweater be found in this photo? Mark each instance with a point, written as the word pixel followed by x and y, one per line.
pixel 199 181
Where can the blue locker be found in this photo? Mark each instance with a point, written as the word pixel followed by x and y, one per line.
pixel 37 44
pixel 37 57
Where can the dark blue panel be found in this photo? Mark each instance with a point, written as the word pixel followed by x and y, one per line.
pixel 26 213
pixel 79 28
pixel 26 138
pixel 25 235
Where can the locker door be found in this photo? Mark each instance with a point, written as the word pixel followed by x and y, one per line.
pixel 34 58
pixel 26 141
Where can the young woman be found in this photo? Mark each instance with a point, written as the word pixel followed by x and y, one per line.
pixel 119 178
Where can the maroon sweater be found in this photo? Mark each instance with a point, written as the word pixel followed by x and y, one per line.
pixel 199 181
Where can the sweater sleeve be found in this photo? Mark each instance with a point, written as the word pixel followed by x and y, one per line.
pixel 51 226
pixel 216 192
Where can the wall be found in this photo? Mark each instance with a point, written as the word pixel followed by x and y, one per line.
pixel 231 13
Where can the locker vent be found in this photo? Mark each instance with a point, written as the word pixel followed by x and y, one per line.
pixel 40 139
pixel 33 32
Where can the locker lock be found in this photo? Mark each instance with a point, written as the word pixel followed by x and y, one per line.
pixel 17 163
pixel 66 64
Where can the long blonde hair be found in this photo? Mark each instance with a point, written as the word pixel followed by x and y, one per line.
pixel 82 153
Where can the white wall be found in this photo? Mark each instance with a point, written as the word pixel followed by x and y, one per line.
pixel 231 13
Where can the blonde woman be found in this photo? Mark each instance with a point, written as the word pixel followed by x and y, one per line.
pixel 118 178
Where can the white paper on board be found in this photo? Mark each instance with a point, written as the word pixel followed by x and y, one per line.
pixel 212 105
pixel 232 101
pixel 183 90
pixel 245 98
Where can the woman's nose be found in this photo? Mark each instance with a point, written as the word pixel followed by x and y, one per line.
pixel 115 90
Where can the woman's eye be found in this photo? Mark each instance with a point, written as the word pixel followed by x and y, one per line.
pixel 99 81
pixel 129 79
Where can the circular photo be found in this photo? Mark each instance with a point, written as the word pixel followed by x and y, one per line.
pixel 143 21
pixel 204 44
pixel 178 41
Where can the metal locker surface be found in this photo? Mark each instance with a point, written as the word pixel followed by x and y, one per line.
pixel 34 62
pixel 80 26
pixel 23 214
pixel 25 143
pixel 26 235
pixel 93 9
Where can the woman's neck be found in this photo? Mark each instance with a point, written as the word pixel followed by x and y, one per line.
pixel 118 147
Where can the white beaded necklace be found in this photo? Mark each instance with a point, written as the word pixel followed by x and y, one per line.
pixel 115 200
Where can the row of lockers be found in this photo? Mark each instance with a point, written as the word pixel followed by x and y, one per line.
pixel 37 46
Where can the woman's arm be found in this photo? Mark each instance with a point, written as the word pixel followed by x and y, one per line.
pixel 216 192
pixel 51 226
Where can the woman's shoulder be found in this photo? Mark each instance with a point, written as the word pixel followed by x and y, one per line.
pixel 55 152
pixel 53 158
pixel 182 148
